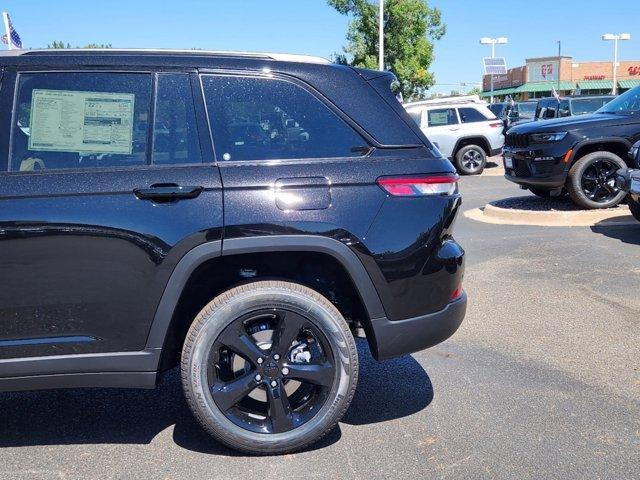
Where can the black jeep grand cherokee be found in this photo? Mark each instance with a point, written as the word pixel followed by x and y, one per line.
pixel 242 215
pixel 578 154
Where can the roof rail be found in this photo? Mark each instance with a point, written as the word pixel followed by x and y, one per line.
pixel 446 101
pixel 282 57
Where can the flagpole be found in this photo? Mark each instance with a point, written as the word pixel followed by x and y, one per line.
pixel 381 36
pixel 5 18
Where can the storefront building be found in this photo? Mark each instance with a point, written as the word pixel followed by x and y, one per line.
pixel 539 76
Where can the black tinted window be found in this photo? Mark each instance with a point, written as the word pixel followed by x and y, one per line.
pixel 267 118
pixel 80 120
pixel 563 109
pixel 175 135
pixel 469 115
pixel 442 116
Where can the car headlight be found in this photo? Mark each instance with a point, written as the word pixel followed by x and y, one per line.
pixel 547 137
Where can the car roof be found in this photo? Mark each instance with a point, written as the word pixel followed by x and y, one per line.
pixel 98 52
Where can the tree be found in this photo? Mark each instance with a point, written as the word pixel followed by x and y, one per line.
pixel 410 27
pixel 59 44
pixel 475 91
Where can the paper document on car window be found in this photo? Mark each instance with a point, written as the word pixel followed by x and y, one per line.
pixel 68 121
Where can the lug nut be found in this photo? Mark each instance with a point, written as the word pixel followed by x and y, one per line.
pixel 276 357
pixel 285 371
pixel 258 377
pixel 274 383
pixel 260 360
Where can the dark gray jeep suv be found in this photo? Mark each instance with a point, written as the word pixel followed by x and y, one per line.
pixel 241 215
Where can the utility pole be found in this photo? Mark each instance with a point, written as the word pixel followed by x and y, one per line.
pixel 381 36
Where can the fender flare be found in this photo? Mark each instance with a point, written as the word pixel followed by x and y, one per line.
pixel 592 141
pixel 276 243
pixel 462 139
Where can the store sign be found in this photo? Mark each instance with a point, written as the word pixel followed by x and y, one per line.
pixel 634 70
pixel 543 71
pixel 594 77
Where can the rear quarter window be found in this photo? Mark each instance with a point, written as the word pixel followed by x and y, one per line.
pixel 471 115
pixel 256 118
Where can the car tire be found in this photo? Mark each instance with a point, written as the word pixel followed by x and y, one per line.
pixel 471 160
pixel 540 192
pixel 287 426
pixel 591 182
pixel 634 207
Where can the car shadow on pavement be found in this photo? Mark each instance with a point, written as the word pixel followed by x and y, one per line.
pixel 625 233
pixel 385 391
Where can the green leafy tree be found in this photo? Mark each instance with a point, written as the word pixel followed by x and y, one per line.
pixel 410 28
pixel 59 44
pixel 475 91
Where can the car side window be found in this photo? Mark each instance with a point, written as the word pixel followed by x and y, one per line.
pixel 258 118
pixel 550 111
pixel 563 109
pixel 442 116
pixel 175 134
pixel 80 120
pixel 470 115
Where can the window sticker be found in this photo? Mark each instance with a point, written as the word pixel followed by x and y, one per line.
pixel 68 121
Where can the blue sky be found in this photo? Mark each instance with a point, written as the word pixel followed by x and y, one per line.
pixel 312 27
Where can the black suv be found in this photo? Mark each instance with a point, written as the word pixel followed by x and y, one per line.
pixel 242 215
pixel 579 154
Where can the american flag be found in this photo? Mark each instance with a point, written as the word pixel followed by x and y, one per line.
pixel 13 40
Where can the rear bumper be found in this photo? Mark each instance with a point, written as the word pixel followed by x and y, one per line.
pixel 395 338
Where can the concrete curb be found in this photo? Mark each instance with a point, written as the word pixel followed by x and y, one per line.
pixel 551 218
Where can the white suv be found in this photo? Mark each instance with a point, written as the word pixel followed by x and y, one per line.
pixel 463 129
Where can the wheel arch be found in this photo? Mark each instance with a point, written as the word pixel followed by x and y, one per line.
pixel 616 145
pixel 165 316
pixel 479 140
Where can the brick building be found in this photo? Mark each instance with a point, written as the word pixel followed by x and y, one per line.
pixel 538 76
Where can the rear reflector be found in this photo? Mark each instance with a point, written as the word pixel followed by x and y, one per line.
pixel 457 293
pixel 418 186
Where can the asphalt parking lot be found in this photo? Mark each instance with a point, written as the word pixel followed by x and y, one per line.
pixel 541 381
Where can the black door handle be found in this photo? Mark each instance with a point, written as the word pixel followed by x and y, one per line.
pixel 167 192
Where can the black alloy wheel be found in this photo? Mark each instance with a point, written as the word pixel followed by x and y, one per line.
pixel 269 367
pixel 598 181
pixel 271 370
pixel 591 180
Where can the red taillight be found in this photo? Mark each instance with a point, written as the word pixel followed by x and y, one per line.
pixel 457 293
pixel 416 186
pixel 496 125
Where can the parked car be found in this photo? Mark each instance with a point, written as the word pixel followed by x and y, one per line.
pixel 628 181
pixel 246 254
pixel 463 129
pixel 579 154
pixel 512 112
pixel 551 107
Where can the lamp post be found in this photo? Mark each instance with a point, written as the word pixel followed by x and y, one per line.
pixel 492 42
pixel 615 38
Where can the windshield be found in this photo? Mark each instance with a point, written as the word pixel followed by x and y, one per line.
pixel 527 109
pixel 496 108
pixel 627 103
pixel 580 106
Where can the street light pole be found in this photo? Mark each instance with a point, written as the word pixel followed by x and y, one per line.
pixel 615 38
pixel 381 36
pixel 492 42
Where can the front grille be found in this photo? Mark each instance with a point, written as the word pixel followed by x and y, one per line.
pixel 517 140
